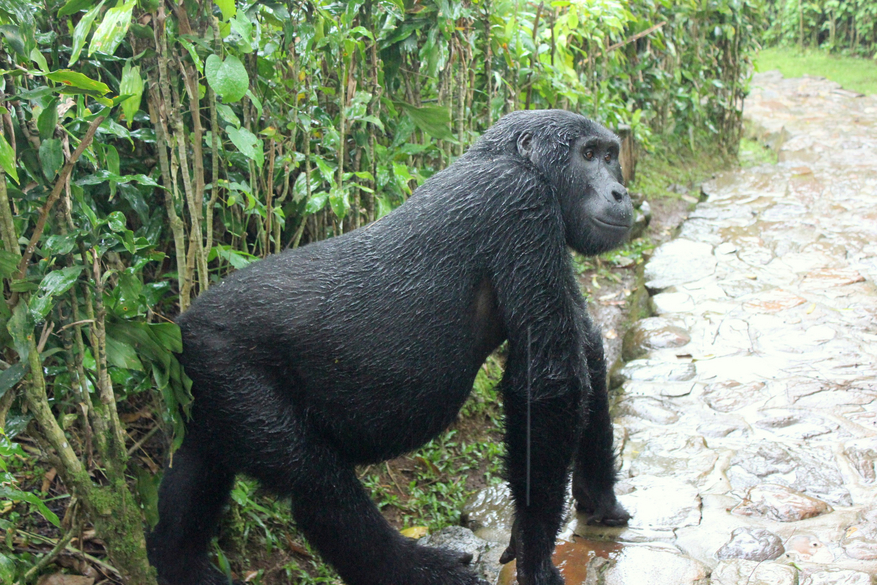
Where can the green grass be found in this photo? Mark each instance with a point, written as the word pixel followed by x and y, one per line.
pixel 852 73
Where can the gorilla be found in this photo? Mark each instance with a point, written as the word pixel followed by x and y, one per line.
pixel 363 347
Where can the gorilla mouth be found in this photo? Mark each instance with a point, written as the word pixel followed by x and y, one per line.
pixel 620 226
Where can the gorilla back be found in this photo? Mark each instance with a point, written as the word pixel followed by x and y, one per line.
pixel 363 347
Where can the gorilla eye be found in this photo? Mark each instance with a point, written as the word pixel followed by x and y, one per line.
pixel 608 157
pixel 589 154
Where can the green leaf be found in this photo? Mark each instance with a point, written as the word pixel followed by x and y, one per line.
pixel 7 569
pixel 167 335
pixel 75 79
pixel 48 120
pixel 122 355
pixel 247 143
pixel 53 284
pixel 8 263
pixel 339 203
pixel 117 221
pixel 39 59
pixel 112 29
pixel 433 119
pixel 7 158
pixel 10 493
pixel 227 8
pixel 20 327
pixel 316 202
pixel 131 84
pixel 195 58
pixel 12 376
pixel 80 33
pixel 227 78
pixel 74 6
pixel 51 157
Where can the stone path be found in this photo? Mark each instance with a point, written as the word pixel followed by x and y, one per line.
pixel 747 417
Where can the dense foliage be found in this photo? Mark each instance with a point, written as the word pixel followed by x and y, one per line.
pixel 149 148
pixel 847 25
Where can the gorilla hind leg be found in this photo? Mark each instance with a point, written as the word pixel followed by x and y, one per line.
pixel 190 500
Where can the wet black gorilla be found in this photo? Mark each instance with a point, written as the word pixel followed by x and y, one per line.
pixel 363 347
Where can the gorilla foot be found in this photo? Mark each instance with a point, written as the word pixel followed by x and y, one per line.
pixel 608 512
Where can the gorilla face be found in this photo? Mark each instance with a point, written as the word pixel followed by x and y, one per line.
pixel 597 210
pixel 583 169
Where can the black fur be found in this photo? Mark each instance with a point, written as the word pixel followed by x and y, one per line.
pixel 363 347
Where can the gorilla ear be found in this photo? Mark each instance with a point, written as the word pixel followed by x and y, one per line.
pixel 525 144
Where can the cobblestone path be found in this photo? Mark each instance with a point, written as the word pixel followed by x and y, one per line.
pixel 747 416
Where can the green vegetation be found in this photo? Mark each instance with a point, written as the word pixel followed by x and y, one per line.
pixel 852 73
pixel 149 148
pixel 835 25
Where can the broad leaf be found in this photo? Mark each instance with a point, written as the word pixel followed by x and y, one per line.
pixel 7 158
pixel 74 6
pixel 112 29
pixel 433 119
pixel 80 33
pixel 48 120
pixel 122 355
pixel 12 376
pixel 247 143
pixel 131 84
pixel 78 80
pixel 53 284
pixel 227 78
pixel 10 493
pixel 51 157
pixel 227 8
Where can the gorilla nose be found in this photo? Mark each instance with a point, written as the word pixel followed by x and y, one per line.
pixel 619 193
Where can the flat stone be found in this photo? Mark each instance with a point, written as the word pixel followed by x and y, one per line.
pixel 485 555
pixel 779 503
pixel 675 454
pixel 812 470
pixel 650 565
pixel 652 333
pixel 656 370
pixel 752 544
pixel 650 409
pixel 490 513
pixel 837 577
pixel 677 262
pixel 731 395
pixel 773 301
pixel 860 540
pixel 671 302
pixel 742 572
pixel 660 503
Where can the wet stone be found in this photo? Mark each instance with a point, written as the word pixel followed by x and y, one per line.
pixel 807 548
pixel 811 470
pixel 678 262
pixel 740 572
pixel 671 302
pixel 485 555
pixel 773 301
pixel 661 503
pixel 650 409
pixel 722 429
pixel 860 540
pixel 658 370
pixel 652 333
pixel 731 395
pixel 797 426
pixel 752 544
pixel 675 454
pixel 780 503
pixel 649 565
pixel 489 513
pixel 837 577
